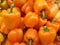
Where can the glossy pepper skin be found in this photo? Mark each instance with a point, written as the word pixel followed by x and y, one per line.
pixel 54 25
pixel 11 17
pixel 31 19
pixel 42 20
pixel 15 35
pixel 21 24
pixel 17 43
pixel 31 37
pixel 53 11
pixel 47 35
pixel 40 5
pixel 4 29
pixel 28 6
pixel 19 3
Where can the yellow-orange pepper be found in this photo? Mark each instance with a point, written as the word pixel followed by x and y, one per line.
pixel 40 5
pixel 31 19
pixel 28 6
pixel 31 37
pixel 53 11
pixel 19 3
pixel 47 35
pixel 54 25
pixel 11 17
pixel 15 35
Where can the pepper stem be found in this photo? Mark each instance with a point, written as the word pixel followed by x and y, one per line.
pixel 53 20
pixel 30 42
pixel 43 14
pixel 46 29
pixel 58 38
pixel 11 8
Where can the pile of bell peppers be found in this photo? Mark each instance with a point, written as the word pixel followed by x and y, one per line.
pixel 29 22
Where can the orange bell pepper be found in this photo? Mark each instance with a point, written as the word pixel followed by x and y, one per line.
pixel 53 11
pixel 21 24
pixel 47 35
pixel 28 6
pixel 4 29
pixel 31 19
pixel 42 20
pixel 40 5
pixel 31 37
pixel 19 3
pixel 15 35
pixel 11 17
pixel 53 24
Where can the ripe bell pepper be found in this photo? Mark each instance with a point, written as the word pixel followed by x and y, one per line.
pixel 53 24
pixel 31 37
pixel 42 20
pixel 4 29
pixel 21 24
pixel 28 6
pixel 53 11
pixel 4 4
pixel 19 3
pixel 11 17
pixel 47 35
pixel 31 19
pixel 15 35
pixel 40 5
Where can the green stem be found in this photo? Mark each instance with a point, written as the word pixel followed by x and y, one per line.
pixel 30 42
pixel 53 20
pixel 11 8
pixel 46 29
pixel 58 38
pixel 43 14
